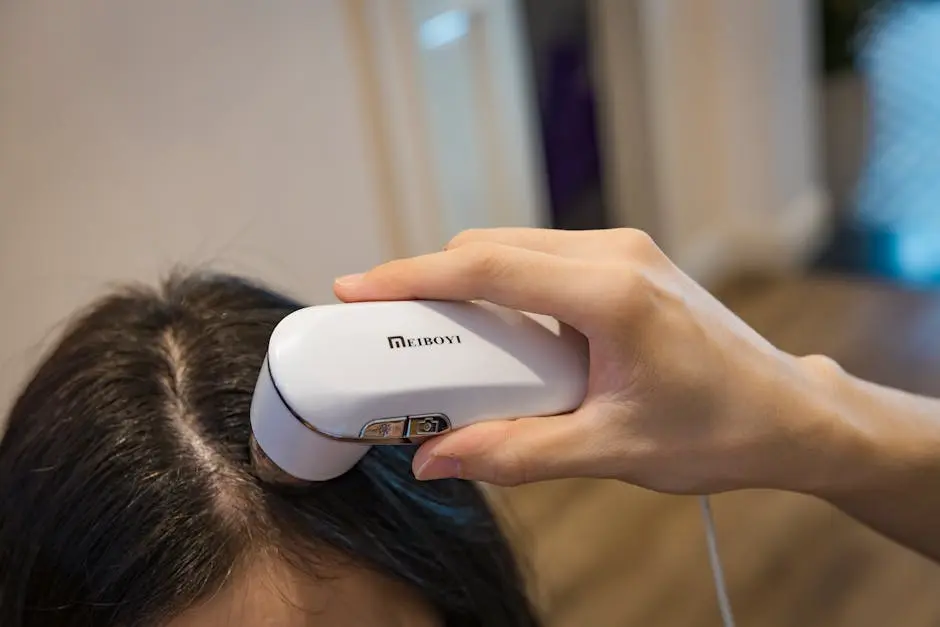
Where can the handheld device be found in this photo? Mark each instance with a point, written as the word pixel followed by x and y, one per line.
pixel 339 379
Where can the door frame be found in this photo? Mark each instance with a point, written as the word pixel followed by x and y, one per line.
pixel 624 117
pixel 391 74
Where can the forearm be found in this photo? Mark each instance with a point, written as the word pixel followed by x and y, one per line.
pixel 883 462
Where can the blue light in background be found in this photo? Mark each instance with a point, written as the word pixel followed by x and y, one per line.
pixel 899 191
pixel 443 29
pixel 917 255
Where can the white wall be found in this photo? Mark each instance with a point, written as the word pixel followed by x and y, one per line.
pixel 291 141
pixel 729 100
pixel 136 135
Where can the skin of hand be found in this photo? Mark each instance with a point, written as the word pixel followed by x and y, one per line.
pixel 683 396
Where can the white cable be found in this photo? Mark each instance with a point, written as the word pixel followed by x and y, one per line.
pixel 724 605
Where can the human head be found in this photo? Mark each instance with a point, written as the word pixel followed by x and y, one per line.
pixel 127 497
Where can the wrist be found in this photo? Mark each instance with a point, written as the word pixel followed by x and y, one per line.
pixel 833 446
pixel 859 438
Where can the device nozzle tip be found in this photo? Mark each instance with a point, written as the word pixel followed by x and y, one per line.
pixel 267 471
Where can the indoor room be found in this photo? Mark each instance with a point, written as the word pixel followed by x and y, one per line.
pixel 781 155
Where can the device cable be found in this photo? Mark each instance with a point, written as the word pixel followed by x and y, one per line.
pixel 711 538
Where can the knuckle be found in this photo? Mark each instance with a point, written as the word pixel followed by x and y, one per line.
pixel 485 261
pixel 510 471
pixel 634 238
pixel 635 243
pixel 823 366
pixel 511 466
pixel 463 238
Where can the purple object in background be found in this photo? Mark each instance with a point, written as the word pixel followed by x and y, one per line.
pixel 569 128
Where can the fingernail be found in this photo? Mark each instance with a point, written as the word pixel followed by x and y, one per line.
pixel 349 279
pixel 438 468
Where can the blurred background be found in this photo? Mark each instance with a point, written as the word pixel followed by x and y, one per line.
pixel 786 153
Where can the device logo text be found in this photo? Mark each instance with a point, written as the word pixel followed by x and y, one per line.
pixel 399 341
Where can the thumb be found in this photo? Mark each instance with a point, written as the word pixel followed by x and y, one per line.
pixel 508 452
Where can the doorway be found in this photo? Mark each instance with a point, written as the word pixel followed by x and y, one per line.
pixel 560 48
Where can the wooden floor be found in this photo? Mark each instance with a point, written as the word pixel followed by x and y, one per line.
pixel 604 554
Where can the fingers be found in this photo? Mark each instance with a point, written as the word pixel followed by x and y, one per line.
pixel 623 243
pixel 549 241
pixel 505 275
pixel 543 271
pixel 509 453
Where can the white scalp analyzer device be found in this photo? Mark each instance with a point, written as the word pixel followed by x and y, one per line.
pixel 338 379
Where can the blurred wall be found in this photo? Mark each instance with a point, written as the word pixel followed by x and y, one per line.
pixel 729 97
pixel 478 108
pixel 845 107
pixel 291 141
pixel 139 135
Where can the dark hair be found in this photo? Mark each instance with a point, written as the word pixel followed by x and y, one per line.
pixel 126 492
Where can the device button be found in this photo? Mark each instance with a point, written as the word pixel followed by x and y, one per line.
pixel 427 425
pixel 384 428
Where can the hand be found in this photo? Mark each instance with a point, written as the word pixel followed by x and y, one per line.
pixel 682 397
